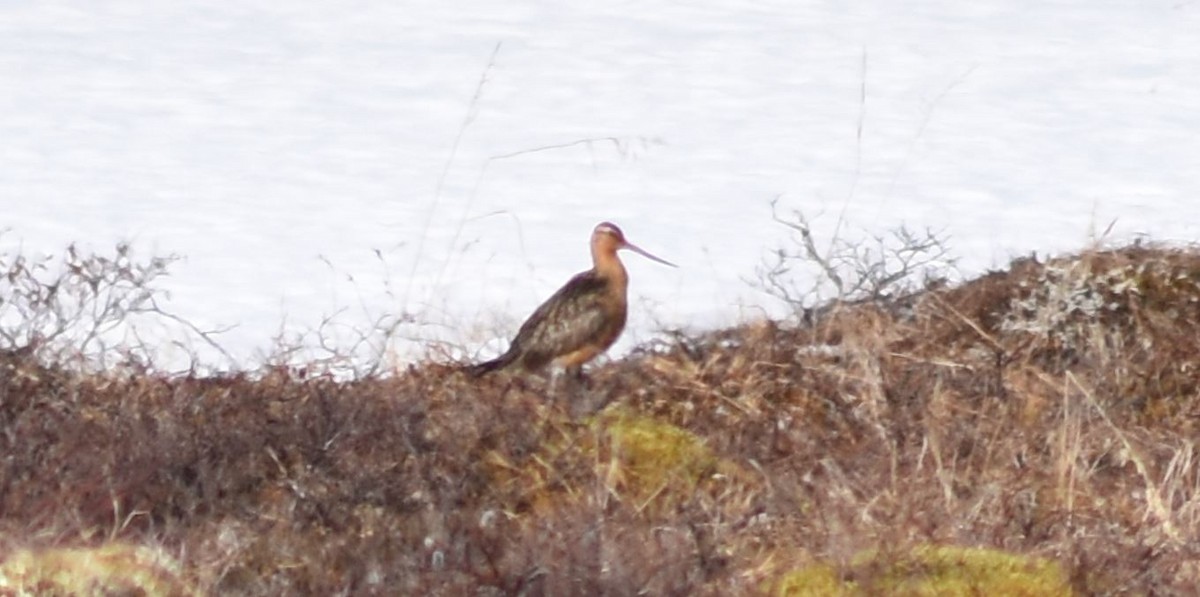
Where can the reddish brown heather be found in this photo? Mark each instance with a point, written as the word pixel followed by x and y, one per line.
pixel 1048 410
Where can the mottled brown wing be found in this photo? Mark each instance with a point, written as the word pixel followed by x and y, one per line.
pixel 566 322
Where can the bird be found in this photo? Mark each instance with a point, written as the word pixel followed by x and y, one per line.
pixel 579 321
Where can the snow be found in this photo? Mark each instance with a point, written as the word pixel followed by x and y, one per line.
pixel 309 158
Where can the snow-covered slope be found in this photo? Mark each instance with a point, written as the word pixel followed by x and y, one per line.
pixel 278 146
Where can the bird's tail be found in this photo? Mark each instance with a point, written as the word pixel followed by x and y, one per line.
pixel 495 364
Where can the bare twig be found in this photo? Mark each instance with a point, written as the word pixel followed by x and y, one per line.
pixel 874 269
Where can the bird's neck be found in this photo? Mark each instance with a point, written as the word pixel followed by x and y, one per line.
pixel 609 268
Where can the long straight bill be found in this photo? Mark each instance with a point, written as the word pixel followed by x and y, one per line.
pixel 639 251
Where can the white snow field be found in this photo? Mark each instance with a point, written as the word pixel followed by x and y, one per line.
pixel 284 149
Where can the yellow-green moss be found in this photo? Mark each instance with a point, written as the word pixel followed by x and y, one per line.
pixel 646 462
pixel 947 570
pixel 112 569
pixel 928 571
pixel 646 457
pixel 817 580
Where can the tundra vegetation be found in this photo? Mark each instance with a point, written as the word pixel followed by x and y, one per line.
pixel 1031 431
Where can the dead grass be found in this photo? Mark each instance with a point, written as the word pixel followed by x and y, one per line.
pixel 1042 419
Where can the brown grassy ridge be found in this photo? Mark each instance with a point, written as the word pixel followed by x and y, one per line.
pixel 1032 431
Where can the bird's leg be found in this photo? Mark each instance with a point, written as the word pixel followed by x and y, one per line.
pixel 584 400
pixel 561 384
pixel 571 381
pixel 564 384
pixel 576 375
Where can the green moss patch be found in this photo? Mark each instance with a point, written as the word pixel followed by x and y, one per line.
pixel 928 571
pixel 112 569
pixel 644 457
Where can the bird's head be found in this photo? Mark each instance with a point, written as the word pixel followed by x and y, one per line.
pixel 607 239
